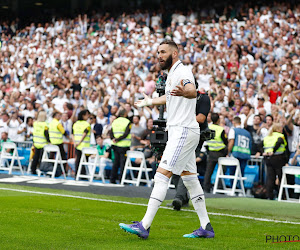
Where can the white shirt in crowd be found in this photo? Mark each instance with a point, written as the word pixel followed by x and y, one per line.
pixel 203 81
pixel 13 128
pixel 59 102
pixel 3 126
pixel 220 104
pixel 243 118
pixel 102 121
pixel 93 106
pixel 28 113
pixel 294 139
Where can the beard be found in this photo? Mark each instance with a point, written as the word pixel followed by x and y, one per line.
pixel 166 64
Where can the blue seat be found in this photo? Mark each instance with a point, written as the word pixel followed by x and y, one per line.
pixel 26 155
pixel 214 174
pixel 252 174
pixel 20 151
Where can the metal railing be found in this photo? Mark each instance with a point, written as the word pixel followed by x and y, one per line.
pixel 24 144
pixel 259 161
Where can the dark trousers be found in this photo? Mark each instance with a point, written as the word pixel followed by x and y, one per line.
pixel 213 157
pixel 181 190
pixel 78 154
pixel 62 151
pixel 63 155
pixel 38 152
pixel 274 167
pixel 119 162
pixel 211 164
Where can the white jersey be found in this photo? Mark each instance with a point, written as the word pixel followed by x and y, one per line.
pixel 181 111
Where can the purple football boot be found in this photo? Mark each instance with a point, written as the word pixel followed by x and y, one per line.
pixel 136 228
pixel 208 232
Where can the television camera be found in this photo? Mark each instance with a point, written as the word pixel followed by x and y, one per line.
pixel 159 136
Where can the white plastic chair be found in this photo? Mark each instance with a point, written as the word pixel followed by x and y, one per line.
pixel 292 170
pixel 12 156
pixel 233 162
pixel 140 169
pixel 90 167
pixel 48 149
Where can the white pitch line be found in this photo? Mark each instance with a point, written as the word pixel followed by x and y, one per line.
pixel 145 205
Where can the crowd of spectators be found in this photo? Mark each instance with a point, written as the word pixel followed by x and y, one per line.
pixel 250 68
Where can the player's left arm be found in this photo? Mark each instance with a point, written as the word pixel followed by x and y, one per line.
pixel 186 88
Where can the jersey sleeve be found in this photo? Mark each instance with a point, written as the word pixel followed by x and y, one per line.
pixel 186 76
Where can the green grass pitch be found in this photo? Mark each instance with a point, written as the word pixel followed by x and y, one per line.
pixel 37 221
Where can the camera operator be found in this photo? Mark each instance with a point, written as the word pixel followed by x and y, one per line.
pixel 202 110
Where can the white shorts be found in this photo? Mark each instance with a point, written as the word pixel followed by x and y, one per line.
pixel 179 154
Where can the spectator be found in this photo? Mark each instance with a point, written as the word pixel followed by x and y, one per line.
pixel 59 101
pixel 4 122
pixel 274 92
pixel 4 138
pixel 29 111
pixel 269 122
pixel 136 133
pixel 247 113
pixel 29 129
pixel 258 133
pixel 13 124
pixel 293 132
pixel 295 161
pixel 96 129
pixel 67 125
pixel 149 84
pixel 220 101
pixel 105 153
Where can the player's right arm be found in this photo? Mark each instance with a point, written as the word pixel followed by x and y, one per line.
pixel 159 100
pixel 147 101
